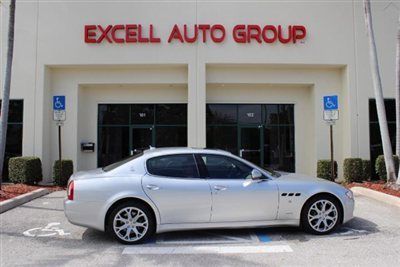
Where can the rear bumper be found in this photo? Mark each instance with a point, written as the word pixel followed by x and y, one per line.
pixel 83 214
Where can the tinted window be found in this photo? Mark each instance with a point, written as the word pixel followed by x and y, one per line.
pixel 113 114
pixel 221 114
pixel 173 166
pixel 169 136
pixel 171 114
pixel 249 114
pixel 142 114
pixel 113 144
pixel 222 137
pixel 223 167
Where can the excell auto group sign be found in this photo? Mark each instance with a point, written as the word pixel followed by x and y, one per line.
pixel 216 33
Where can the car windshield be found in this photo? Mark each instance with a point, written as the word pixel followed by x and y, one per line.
pixel 121 162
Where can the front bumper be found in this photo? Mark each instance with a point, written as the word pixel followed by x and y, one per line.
pixel 348 209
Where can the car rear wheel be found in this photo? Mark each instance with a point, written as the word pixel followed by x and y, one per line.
pixel 131 223
pixel 321 215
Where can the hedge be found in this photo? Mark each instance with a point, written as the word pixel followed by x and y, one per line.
pixel 324 169
pixel 380 166
pixel 27 170
pixel 353 170
pixel 366 169
pixel 67 170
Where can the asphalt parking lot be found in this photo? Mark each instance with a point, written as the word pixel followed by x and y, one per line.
pixel 37 233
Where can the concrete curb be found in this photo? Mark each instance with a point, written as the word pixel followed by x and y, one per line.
pixel 388 199
pixel 19 200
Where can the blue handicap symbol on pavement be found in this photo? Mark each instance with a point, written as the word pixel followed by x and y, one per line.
pixel 331 102
pixel 59 102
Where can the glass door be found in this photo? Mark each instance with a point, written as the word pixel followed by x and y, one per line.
pixel 141 139
pixel 250 143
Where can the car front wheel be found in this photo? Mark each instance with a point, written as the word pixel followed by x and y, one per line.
pixel 321 215
pixel 131 223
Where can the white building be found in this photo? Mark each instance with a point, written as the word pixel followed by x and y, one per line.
pixel 124 66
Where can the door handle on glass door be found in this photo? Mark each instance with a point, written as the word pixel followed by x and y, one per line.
pixel 220 187
pixel 152 187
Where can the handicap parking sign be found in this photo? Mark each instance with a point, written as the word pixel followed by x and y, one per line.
pixel 59 102
pixel 331 102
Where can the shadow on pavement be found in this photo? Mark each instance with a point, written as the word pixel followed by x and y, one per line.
pixel 353 229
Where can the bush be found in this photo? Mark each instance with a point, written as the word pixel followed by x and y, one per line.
pixel 353 170
pixel 380 166
pixel 67 170
pixel 27 170
pixel 324 169
pixel 366 170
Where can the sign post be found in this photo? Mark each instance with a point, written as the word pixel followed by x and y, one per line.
pixel 331 115
pixel 59 117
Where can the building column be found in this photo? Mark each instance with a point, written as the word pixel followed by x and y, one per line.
pixel 197 105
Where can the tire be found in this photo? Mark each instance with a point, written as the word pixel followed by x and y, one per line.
pixel 313 218
pixel 119 223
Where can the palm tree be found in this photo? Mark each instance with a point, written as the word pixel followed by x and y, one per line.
pixel 398 96
pixel 380 104
pixel 6 91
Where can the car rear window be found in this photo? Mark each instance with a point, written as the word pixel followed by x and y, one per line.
pixel 181 166
pixel 121 162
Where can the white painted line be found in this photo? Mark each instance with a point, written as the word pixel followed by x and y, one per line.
pixel 206 250
pixel 178 242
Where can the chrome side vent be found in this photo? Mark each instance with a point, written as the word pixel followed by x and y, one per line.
pixel 290 194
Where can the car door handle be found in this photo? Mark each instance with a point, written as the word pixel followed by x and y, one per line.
pixel 220 187
pixel 152 187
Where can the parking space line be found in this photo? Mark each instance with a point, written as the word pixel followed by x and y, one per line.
pixel 207 250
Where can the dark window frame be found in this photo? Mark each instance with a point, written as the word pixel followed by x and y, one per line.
pixel 131 125
pixel 204 171
pixel 11 122
pixel 198 176
pixel 264 125
pixel 377 144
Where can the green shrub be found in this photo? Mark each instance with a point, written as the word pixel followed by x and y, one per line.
pixel 366 170
pixel 353 170
pixel 380 166
pixel 67 170
pixel 27 170
pixel 324 169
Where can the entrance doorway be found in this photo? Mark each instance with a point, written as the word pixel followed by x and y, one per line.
pixel 250 143
pixel 260 133
pixel 128 129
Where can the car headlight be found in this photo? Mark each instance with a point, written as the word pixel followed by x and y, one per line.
pixel 349 194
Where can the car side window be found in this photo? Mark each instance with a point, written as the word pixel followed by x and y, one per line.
pixel 182 166
pixel 223 167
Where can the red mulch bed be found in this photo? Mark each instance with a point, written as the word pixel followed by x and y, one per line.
pixel 12 190
pixel 377 186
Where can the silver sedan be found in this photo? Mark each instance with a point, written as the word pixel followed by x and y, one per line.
pixel 173 189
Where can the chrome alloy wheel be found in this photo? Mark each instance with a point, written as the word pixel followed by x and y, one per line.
pixel 322 215
pixel 130 224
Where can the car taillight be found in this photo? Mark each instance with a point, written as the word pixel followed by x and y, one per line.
pixel 70 191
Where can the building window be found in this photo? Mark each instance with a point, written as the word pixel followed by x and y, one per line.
pixel 14 133
pixel 127 129
pixel 375 142
pixel 262 134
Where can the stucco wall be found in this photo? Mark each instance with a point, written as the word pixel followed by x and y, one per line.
pixel 52 57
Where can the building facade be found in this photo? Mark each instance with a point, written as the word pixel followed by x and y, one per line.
pixel 248 77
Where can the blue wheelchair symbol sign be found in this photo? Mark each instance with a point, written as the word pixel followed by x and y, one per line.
pixel 59 102
pixel 331 102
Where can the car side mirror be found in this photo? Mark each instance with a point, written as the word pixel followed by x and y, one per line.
pixel 256 174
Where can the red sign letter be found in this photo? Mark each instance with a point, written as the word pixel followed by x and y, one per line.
pixel 175 34
pixel 239 35
pixel 114 36
pixel 89 33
